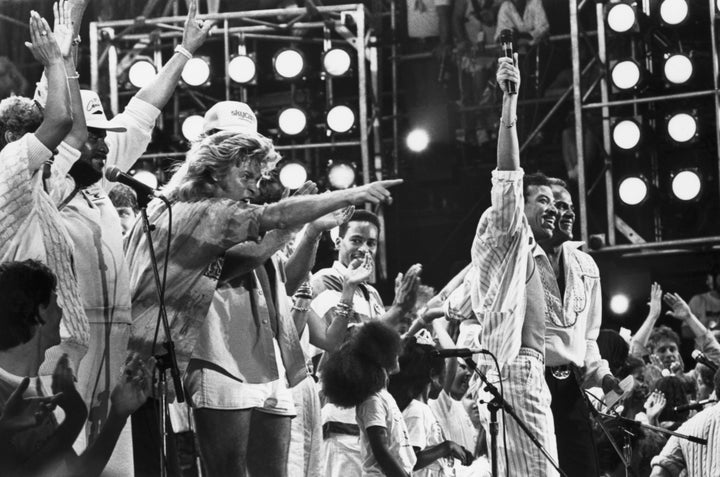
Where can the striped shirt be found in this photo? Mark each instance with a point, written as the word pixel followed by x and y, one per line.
pixel 699 460
pixel 500 253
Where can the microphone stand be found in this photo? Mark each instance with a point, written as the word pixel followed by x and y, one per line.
pixel 595 414
pixel 630 423
pixel 166 360
pixel 496 403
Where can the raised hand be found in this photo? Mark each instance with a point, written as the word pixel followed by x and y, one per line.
pixel 508 71
pixel 374 192
pixel 63 28
pixel 22 413
pixel 655 302
pixel 406 287
pixel 654 405
pixel 680 309
pixel 358 270
pixel 42 43
pixel 133 387
pixel 196 31
pixel 334 219
pixel 63 382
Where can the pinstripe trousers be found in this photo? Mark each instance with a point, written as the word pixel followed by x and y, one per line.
pixel 525 389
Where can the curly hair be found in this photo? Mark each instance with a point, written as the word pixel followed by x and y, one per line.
pixel 24 288
pixel 123 196
pixel 18 115
pixel 211 159
pixel 417 369
pixel 675 395
pixel 662 333
pixel 358 369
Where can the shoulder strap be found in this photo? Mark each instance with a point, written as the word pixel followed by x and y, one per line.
pixel 67 199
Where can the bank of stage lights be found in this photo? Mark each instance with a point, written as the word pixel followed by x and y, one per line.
pixel 622 17
pixel 686 186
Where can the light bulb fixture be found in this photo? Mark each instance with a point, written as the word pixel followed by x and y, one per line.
pixel 336 62
pixel 682 127
pixel 293 175
pixel 417 140
pixel 141 72
pixel 621 17
pixel 192 127
pixel 340 174
pixel 626 134
pixel 289 63
pixel 633 190
pixel 292 121
pixel 626 74
pixel 677 68
pixel 340 119
pixel 242 69
pixel 686 185
pixel 197 71
pixel 674 12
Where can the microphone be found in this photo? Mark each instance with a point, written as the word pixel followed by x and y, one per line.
pixel 699 357
pixel 507 48
pixel 693 405
pixel 114 174
pixel 456 353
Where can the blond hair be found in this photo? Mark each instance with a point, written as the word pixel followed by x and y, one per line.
pixel 210 160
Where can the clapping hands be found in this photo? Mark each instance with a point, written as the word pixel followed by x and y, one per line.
pixel 20 413
pixel 133 387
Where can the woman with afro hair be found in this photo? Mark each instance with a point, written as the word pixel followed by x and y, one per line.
pixel 357 375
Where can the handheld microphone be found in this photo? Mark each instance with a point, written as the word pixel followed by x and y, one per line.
pixel 114 174
pixel 693 405
pixel 699 357
pixel 507 48
pixel 456 353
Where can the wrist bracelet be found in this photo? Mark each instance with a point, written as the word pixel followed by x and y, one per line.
pixel 300 309
pixel 183 51
pixel 510 125
pixel 302 296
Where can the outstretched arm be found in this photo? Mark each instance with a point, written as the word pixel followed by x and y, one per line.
pixel 508 150
pixel 638 343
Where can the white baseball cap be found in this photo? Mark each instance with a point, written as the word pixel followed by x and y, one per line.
pixel 95 114
pixel 232 116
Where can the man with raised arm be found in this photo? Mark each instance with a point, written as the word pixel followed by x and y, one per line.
pixel 508 292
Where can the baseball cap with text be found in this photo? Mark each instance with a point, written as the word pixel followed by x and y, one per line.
pixel 231 116
pixel 95 114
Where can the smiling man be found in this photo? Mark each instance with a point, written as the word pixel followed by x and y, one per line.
pixel 572 357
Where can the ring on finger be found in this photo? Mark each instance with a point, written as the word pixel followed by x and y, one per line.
pixel 43 33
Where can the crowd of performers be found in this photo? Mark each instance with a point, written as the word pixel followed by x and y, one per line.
pixel 293 373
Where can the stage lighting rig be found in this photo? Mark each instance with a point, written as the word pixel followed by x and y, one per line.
pixel 141 72
pixel 626 134
pixel 196 72
pixel 340 174
pixel 242 69
pixel 192 127
pixel 626 74
pixel 336 62
pixel 292 121
pixel 677 68
pixel 686 185
pixel 674 12
pixel 682 127
pixel 621 17
pixel 289 64
pixel 340 119
pixel 633 190
pixel 293 175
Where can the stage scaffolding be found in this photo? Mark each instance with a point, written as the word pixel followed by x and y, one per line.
pixel 583 105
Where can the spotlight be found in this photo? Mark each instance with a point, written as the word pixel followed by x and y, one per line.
pixel 292 121
pixel 682 127
pixel 242 69
pixel 678 68
pixel 633 190
pixel 341 175
pixel 293 175
pixel 621 17
pixel 625 74
pixel 192 127
pixel 336 62
pixel 673 12
pixel 686 185
pixel 289 63
pixel 626 134
pixel 417 140
pixel 340 119
pixel 141 72
pixel 619 304
pixel 197 71
pixel 147 178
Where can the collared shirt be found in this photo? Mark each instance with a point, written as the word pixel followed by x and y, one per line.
pixel 501 252
pixel 238 331
pixel 699 460
pixel 201 233
pixel 31 228
pixel 94 224
pixel 533 20
pixel 327 285
pixel 572 338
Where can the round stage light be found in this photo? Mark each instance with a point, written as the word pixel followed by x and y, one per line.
pixel 147 178
pixel 621 17
pixel 619 304
pixel 633 190
pixel 673 12
pixel 417 140
pixel 686 185
pixel 341 175
pixel 293 175
pixel 192 127
pixel 336 62
pixel 242 69
pixel 292 121
pixel 678 68
pixel 625 74
pixel 626 134
pixel 196 72
pixel 682 127
pixel 141 73
pixel 289 63
pixel 340 119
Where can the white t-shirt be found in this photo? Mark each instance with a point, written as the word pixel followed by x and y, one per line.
pixel 425 431
pixel 381 410
pixel 454 420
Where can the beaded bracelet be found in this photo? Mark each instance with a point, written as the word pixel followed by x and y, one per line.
pixel 300 309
